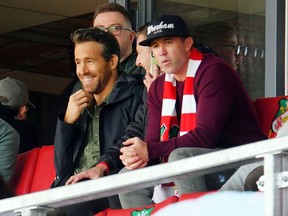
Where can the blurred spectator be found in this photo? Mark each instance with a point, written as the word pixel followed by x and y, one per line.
pixel 9 146
pixel 14 105
pixel 220 38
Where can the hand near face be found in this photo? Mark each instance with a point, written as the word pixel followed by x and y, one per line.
pixel 77 102
pixel 93 173
pixel 134 153
pixel 149 78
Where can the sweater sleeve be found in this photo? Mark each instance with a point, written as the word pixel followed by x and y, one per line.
pixel 215 87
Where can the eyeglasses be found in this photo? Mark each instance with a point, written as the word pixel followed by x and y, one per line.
pixel 243 50
pixel 256 52
pixel 114 29
pixel 247 51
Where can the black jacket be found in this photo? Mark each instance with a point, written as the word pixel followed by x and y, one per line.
pixel 137 127
pixel 27 131
pixel 114 118
pixel 47 136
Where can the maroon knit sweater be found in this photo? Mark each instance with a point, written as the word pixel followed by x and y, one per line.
pixel 225 114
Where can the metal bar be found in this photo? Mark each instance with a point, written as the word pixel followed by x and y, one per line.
pixel 145 11
pixel 271 204
pixel 286 49
pixel 124 3
pixel 275 48
pixel 119 183
pixel 270 48
pixel 34 211
pixel 141 13
pixel 284 190
pixel 275 192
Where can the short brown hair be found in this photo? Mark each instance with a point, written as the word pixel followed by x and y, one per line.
pixel 114 7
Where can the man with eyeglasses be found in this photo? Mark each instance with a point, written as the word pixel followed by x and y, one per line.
pixel 116 19
pixel 220 38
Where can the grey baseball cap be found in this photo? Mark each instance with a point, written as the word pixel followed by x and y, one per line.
pixel 14 93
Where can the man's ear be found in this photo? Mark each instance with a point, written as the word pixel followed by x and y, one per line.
pixel 188 43
pixel 22 113
pixel 132 36
pixel 114 61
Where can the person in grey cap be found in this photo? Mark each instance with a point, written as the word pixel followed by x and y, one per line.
pixel 14 105
pixel 197 106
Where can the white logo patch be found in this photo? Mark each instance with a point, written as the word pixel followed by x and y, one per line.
pixel 158 28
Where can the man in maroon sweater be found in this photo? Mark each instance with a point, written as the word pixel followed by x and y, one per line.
pixel 198 106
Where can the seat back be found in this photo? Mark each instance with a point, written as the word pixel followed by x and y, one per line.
pixel 44 171
pixel 272 113
pixel 24 171
pixel 143 210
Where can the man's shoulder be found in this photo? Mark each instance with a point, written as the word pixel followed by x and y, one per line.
pixel 130 66
pixel 212 58
pixel 214 64
pixel 6 130
pixel 128 81
pixel 129 78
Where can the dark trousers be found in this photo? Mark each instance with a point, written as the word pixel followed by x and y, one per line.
pixel 86 208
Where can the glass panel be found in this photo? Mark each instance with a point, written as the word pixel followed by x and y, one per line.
pixel 212 25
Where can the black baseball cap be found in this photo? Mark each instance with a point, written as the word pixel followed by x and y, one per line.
pixel 165 26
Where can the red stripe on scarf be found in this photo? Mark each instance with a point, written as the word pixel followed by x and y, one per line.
pixel 196 55
pixel 189 90
pixel 188 120
pixel 170 92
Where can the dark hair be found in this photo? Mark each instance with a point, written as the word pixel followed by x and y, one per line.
pixel 206 36
pixel 142 30
pixel 114 7
pixel 214 33
pixel 109 42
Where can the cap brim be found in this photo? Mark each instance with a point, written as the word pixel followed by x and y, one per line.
pixel 31 104
pixel 146 42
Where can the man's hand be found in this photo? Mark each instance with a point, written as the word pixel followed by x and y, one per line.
pixel 149 78
pixel 77 102
pixel 134 153
pixel 93 173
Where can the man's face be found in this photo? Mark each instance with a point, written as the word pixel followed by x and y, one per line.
pixel 92 69
pixel 125 38
pixel 143 54
pixel 171 54
pixel 228 52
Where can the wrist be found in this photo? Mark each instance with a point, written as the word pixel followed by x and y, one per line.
pixel 105 167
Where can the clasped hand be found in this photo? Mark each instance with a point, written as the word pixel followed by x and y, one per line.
pixel 134 154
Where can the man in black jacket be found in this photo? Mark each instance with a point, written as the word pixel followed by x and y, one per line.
pixel 118 20
pixel 97 114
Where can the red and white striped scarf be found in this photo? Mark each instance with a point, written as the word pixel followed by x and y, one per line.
pixel 169 122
